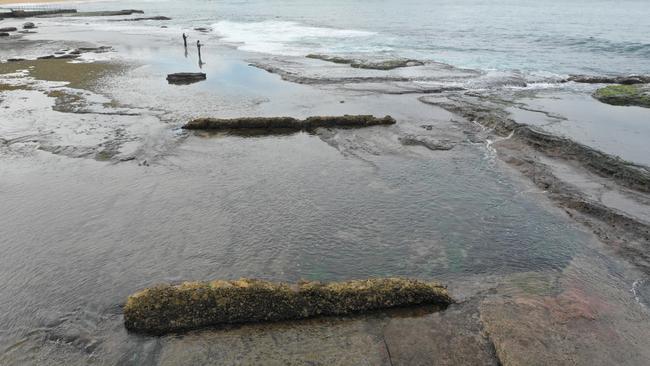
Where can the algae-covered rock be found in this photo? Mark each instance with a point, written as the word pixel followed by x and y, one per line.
pixel 626 95
pixel 287 123
pixel 191 305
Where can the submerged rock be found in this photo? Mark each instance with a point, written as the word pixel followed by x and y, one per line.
pixel 4 34
pixel 185 77
pixel 364 64
pixel 288 123
pixel 8 29
pixel 428 142
pixel 625 95
pixel 191 305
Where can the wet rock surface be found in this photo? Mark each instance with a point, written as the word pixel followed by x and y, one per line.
pixel 365 64
pixel 520 146
pixel 454 336
pixel 628 174
pixel 192 305
pixel 625 95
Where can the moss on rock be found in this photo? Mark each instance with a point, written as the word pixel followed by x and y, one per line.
pixel 287 123
pixel 191 305
pixel 626 95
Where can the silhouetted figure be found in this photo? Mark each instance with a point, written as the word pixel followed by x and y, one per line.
pixel 184 40
pixel 198 46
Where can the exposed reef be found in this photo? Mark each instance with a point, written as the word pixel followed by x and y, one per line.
pixel 626 173
pixel 624 95
pixel 287 123
pixel 521 148
pixel 365 64
pixel 625 80
pixel 191 305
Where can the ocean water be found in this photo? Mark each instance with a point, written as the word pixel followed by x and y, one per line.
pixel 531 36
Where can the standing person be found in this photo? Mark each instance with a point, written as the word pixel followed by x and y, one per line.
pixel 198 46
pixel 184 40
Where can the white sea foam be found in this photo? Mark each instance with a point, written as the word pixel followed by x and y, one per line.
pixel 282 37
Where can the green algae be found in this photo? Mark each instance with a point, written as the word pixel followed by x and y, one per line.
pixel 165 308
pixel 287 123
pixel 79 75
pixel 624 95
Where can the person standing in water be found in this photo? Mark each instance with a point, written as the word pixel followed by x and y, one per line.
pixel 198 46
pixel 184 40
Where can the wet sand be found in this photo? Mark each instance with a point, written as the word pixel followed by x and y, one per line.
pixel 104 195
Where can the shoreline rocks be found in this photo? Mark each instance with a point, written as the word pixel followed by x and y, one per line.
pixel 165 308
pixel 624 95
pixel 625 80
pixel 364 64
pixel 287 123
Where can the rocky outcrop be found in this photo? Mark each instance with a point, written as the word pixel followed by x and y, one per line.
pixel 365 64
pixel 625 173
pixel 625 80
pixel 29 25
pixel 8 29
pixel 185 77
pixel 287 123
pixel 624 95
pixel 191 305
pixel 4 34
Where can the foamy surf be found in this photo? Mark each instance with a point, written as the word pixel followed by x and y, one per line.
pixel 283 37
